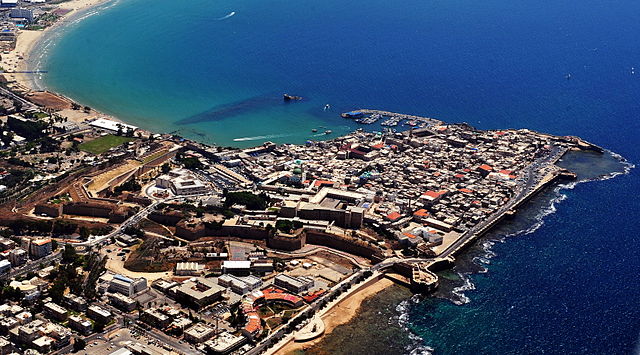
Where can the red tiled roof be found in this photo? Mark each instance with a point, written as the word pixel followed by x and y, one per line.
pixel 485 167
pixel 421 213
pixel 412 236
pixel 393 216
pixel 432 194
pixel 323 182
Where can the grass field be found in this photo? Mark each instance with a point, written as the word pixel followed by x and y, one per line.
pixel 104 143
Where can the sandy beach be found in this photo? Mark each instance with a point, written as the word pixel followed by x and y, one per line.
pixel 17 59
pixel 340 314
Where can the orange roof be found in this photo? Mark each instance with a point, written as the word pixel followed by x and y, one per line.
pixel 485 167
pixel 432 194
pixel 410 235
pixel 378 146
pixel 421 213
pixel 465 190
pixel 41 241
pixel 506 172
pixel 393 216
pixel 323 182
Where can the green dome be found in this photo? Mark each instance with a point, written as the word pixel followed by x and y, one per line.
pixel 297 171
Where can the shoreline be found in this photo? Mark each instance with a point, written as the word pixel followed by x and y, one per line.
pixel 342 313
pixel 19 59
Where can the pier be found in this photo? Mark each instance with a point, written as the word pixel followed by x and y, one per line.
pixel 391 119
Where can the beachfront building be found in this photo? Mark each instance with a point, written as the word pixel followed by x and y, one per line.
pixel 112 126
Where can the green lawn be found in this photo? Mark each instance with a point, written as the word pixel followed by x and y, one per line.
pixel 104 143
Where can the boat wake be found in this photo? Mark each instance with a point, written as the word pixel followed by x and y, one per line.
pixel 268 136
pixel 231 14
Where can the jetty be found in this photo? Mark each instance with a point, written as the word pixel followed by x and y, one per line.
pixel 391 119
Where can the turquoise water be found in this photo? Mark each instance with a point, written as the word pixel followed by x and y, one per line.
pixel 568 286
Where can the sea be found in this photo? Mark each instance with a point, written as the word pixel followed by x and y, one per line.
pixel 560 278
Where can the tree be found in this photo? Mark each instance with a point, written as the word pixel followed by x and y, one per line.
pixel 84 233
pixel 54 245
pixel 79 344
pixel 69 254
pixel 165 168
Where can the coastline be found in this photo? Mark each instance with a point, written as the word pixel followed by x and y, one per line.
pixel 341 313
pixel 19 59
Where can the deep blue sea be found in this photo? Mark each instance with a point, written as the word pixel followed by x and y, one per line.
pixel 215 71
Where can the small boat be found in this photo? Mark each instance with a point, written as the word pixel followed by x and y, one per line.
pixel 568 76
pixel 326 107
pixel 314 130
pixel 328 131
pixel 287 97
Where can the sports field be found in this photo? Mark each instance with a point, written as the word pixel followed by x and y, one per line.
pixel 104 143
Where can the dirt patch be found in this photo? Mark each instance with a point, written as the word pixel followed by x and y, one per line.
pixel 49 100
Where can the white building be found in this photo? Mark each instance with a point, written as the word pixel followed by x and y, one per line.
pixel 189 269
pixel 126 286
pixel 182 182
pixel 293 284
pixel 240 285
pixel 112 126
pixel 5 266
pixel 242 267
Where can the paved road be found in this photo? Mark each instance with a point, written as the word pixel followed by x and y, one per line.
pixel 32 265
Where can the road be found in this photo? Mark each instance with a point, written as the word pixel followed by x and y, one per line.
pixel 132 221
pixel 32 266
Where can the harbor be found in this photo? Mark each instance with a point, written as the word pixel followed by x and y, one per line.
pixel 389 119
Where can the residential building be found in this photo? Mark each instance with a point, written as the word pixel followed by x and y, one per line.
pixel 40 248
pixel 5 266
pixel 80 325
pixel 18 257
pixel 122 302
pixel 155 318
pixel 98 313
pixel 55 311
pixel 198 333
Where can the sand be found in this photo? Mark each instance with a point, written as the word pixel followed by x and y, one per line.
pixel 17 59
pixel 340 314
